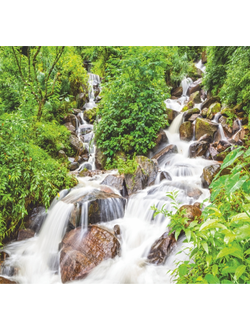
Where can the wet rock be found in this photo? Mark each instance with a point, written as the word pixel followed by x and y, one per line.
pixel 205 137
pixel 213 109
pixel 161 249
pixel 221 156
pixel 25 234
pixel 114 181
pixel 117 230
pixel 227 129
pixel 81 122
pixel 73 166
pixel 102 206
pixel 77 111
pixel 37 218
pixel 195 97
pixel 62 154
pixel 177 92
pixel 205 126
pixel 222 145
pixel 189 113
pixel 164 152
pixel 186 131
pixel 83 158
pixel 194 87
pixel 144 175
pixel 193 118
pixel 192 212
pixel 161 141
pixel 81 253
pixel 88 137
pixel 188 106
pixel 239 136
pixel 204 57
pixel 198 149
pixel 77 145
pixel 100 159
pixel 197 204
pixel 171 115
pixel 90 115
pixel 70 118
pixel 213 152
pixel 208 174
pixel 86 172
pixel 236 126
pixel 208 102
pixel 203 94
pixel 70 127
pixel 4 280
pixel 165 176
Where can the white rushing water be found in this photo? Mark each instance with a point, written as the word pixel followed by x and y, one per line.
pixel 37 259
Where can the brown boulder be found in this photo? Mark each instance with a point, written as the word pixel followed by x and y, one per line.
pixel 239 135
pixel 171 115
pixel 236 126
pixel 192 212
pixel 77 145
pixel 70 118
pixel 193 117
pixel 208 174
pixel 114 181
pixel 25 234
pixel 70 127
pixel 161 141
pixel 205 137
pixel 186 131
pixel 194 87
pixel 187 114
pixel 100 159
pixel 4 280
pixel 81 253
pixel 195 97
pixel 166 151
pixel 227 129
pixel 205 126
pixel 198 149
pixel 161 249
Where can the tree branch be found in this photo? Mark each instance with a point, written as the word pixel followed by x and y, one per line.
pixel 52 67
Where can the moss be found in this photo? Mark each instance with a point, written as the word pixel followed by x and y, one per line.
pixel 90 115
pixel 213 109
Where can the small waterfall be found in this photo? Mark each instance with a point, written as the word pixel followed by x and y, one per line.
pixel 174 128
pixel 84 216
pixel 186 82
pixel 220 128
pixel 200 66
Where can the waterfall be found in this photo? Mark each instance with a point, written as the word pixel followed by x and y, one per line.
pixel 36 259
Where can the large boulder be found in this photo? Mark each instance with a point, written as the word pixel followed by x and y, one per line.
pixel 198 149
pixel 213 109
pixel 100 159
pixel 25 234
pixel 81 253
pixel 100 205
pixel 208 174
pixel 37 218
pixel 209 101
pixel 194 87
pixel 193 117
pixel 77 145
pixel 186 131
pixel 204 112
pixel 239 136
pixel 187 114
pixel 70 128
pixel 161 249
pixel 192 212
pixel 171 115
pixel 205 126
pixel 115 181
pixel 161 141
pixel 144 175
pixel 164 152
pixel 4 280
pixel 73 166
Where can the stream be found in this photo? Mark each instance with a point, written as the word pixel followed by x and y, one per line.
pixel 37 259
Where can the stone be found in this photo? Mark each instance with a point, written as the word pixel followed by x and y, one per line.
pixel 192 212
pixel 204 57
pixel 208 174
pixel 227 129
pixel 236 126
pixel 90 115
pixel 62 154
pixel 70 118
pixel 165 176
pixel 197 204
pixel 4 280
pixel 114 181
pixel 187 114
pixel 193 118
pixel 144 175
pixel 81 253
pixel 102 206
pixel 86 128
pixel 198 149
pixel 76 111
pixel 161 141
pixel 73 166
pixel 205 126
pixel 77 145
pixel 213 109
pixel 188 106
pixel 228 112
pixel 177 92
pixel 117 230
pixel 37 218
pixel 239 135
pixel 88 137
pixel 205 137
pixel 209 101
pixel 186 131
pixel 171 115
pixel 70 127
pixel 25 234
pixel 195 97
pixel 161 249
pixel 204 112
pixel 222 146
pixel 100 159
pixel 194 87
pixel 160 156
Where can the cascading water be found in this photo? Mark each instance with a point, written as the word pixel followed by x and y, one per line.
pixel 36 259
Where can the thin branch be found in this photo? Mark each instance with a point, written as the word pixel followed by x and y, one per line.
pixel 52 67
pixel 35 70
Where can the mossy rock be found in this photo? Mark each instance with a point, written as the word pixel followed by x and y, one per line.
pixel 188 106
pixel 189 113
pixel 228 112
pixel 213 109
pixel 171 114
pixel 205 126
pixel 90 115
pixel 204 112
pixel 186 131
pixel 195 97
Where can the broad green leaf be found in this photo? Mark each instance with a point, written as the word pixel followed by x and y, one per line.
pixel 239 271
pixel 236 184
pixel 246 187
pixel 208 259
pixel 215 269
pixel 231 157
pixel 230 251
pixel 243 232
pixel 212 223
pixel 226 282
pixel 205 246
pixel 247 252
pixel 188 234
pixel 240 217
pixel 212 279
pixel 183 270
pixel 247 153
